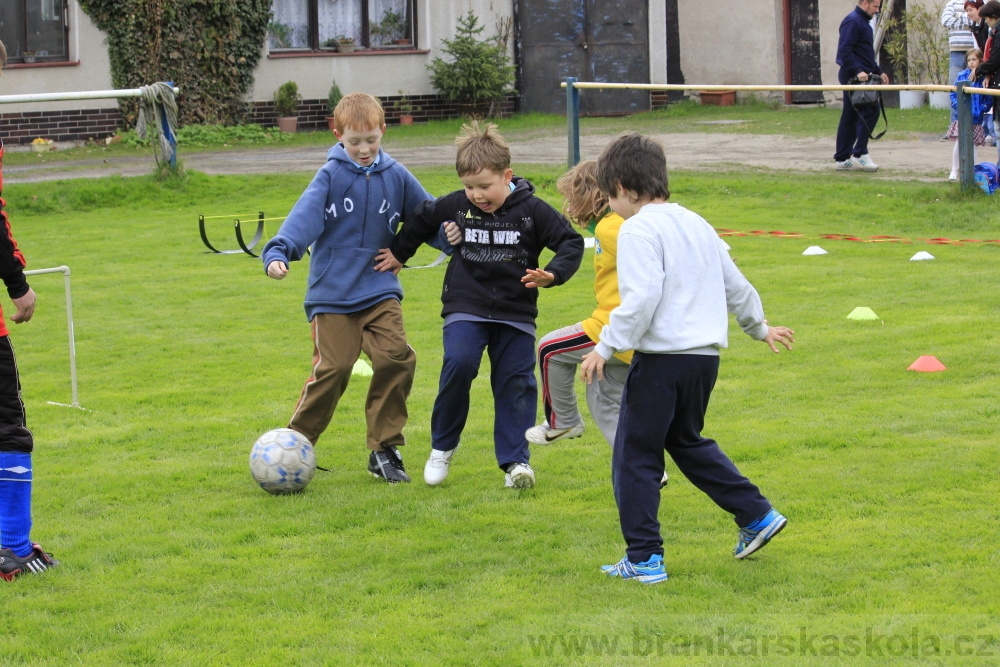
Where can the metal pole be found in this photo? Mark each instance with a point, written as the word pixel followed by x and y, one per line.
pixel 573 120
pixel 58 97
pixel 69 320
pixel 966 151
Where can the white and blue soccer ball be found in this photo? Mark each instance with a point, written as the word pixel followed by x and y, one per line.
pixel 282 461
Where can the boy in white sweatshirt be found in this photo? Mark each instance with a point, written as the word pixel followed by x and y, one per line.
pixel 677 283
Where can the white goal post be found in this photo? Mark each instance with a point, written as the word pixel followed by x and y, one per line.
pixel 69 321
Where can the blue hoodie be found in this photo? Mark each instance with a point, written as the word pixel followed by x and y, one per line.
pixel 345 216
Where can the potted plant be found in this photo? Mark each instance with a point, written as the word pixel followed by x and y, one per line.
pixel 28 56
pixel 392 27
pixel 405 109
pixel 345 44
pixel 478 74
pixel 332 100
pixel 917 44
pixel 280 35
pixel 41 145
pixel 286 106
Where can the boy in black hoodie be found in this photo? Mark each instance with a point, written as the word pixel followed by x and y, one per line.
pixel 489 295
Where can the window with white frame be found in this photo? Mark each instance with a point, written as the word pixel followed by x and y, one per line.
pixel 34 30
pixel 314 25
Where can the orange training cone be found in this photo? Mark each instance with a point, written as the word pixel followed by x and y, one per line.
pixel 926 364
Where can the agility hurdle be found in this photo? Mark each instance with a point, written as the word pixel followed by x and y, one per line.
pixel 72 339
pixel 965 148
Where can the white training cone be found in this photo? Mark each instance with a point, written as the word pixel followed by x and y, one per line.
pixel 588 242
pixel 362 368
pixel 814 250
pixel 921 255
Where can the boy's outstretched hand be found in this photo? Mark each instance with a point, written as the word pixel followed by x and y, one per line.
pixel 277 269
pixel 533 278
pixel 386 261
pixel 782 335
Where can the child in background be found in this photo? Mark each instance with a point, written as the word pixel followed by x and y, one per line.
pixel 347 214
pixel 489 296
pixel 677 282
pixel 560 351
pixel 981 104
pixel 18 554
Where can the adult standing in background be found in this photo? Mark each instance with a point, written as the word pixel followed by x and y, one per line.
pixel 980 31
pixel 960 38
pixel 856 57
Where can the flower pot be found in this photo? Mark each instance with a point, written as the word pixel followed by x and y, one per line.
pixel 406 119
pixel 722 98
pixel 29 59
pixel 345 48
pixel 39 148
pixel 940 100
pixel 401 42
pixel 288 123
pixel 911 99
pixel 331 123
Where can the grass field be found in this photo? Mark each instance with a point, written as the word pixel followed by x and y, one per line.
pixel 172 555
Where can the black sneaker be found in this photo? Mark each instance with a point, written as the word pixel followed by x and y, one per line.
pixel 388 465
pixel 34 563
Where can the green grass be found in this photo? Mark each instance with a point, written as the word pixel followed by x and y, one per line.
pixel 172 555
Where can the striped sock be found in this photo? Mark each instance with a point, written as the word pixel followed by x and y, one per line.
pixel 15 502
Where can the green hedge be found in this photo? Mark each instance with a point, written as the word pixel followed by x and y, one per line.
pixel 208 48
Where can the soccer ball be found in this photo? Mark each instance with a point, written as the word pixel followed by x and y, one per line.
pixel 282 461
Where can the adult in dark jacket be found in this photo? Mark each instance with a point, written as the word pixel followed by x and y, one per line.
pixel 990 14
pixel 980 30
pixel 856 57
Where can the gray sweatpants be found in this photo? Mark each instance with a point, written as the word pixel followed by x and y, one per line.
pixel 559 355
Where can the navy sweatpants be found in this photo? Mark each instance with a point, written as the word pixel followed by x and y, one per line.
pixel 663 408
pixel 512 377
pixel 853 130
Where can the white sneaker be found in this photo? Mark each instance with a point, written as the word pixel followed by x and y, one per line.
pixel 953 176
pixel 519 476
pixel 543 435
pixel 665 480
pixel 866 163
pixel 989 140
pixel 846 165
pixel 436 468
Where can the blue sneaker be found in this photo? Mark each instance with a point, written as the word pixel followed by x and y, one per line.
pixel 648 572
pixel 759 533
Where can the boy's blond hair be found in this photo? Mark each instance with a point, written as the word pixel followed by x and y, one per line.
pixel 480 146
pixel 3 57
pixel 582 199
pixel 358 111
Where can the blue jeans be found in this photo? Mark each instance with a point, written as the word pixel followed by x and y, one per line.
pixel 956 64
pixel 512 378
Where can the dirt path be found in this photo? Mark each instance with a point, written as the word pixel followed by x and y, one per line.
pixel 924 159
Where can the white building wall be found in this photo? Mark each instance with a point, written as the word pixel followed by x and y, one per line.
pixel 88 69
pixel 378 74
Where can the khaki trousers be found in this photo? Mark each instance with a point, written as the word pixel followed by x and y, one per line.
pixel 337 342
